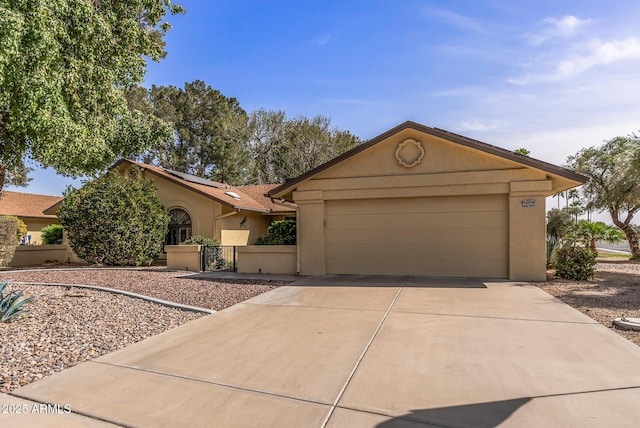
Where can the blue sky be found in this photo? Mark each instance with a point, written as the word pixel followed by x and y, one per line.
pixel 550 76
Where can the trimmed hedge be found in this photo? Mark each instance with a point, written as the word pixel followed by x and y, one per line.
pixel 21 227
pixel 115 220
pixel 52 234
pixel 575 263
pixel 7 240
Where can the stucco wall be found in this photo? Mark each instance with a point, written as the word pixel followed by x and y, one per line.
pixel 242 228
pixel 34 225
pixel 447 169
pixel 183 257
pixel 272 259
pixel 202 210
pixel 32 255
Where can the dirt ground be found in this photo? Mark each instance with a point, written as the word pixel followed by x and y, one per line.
pixel 614 292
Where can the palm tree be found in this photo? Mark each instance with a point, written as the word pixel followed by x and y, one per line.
pixel 589 233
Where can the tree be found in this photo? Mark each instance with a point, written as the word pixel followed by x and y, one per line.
pixel 558 222
pixel 522 151
pixel 208 130
pixel 614 182
pixel 589 233
pixel 281 148
pixel 115 220
pixel 64 66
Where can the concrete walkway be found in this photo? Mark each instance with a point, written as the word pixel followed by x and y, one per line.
pixel 362 351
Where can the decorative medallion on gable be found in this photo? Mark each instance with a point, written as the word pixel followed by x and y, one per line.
pixel 409 153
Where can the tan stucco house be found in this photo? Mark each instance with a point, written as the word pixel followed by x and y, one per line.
pixel 233 215
pixel 423 201
pixel 32 209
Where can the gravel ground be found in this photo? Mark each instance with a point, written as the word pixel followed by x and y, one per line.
pixel 154 282
pixel 65 326
pixel 614 292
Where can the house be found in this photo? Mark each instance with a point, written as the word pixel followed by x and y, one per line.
pixel 418 200
pixel 233 215
pixel 31 209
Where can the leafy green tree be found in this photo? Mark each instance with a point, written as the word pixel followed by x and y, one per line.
pixel 281 148
pixel 64 66
pixel 115 220
pixel 209 130
pixel 558 222
pixel 522 151
pixel 614 182
pixel 590 232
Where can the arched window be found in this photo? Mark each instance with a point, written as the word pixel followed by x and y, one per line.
pixel 179 227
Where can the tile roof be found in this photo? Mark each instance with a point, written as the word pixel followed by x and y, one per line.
pixel 27 204
pixel 251 198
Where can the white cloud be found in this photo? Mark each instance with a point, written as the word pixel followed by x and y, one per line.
pixel 454 19
pixel 593 54
pixel 481 126
pixel 565 27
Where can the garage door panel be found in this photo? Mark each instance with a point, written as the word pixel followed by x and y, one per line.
pixel 418 252
pixel 448 236
pixel 482 269
pixel 415 220
pixel 432 204
pixel 428 236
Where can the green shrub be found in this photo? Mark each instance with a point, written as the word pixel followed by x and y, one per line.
pixel 52 234
pixel 200 240
pixel 115 220
pixel 575 263
pixel 12 304
pixel 21 227
pixel 7 240
pixel 213 256
pixel 281 232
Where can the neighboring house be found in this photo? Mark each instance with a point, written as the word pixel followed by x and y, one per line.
pixel 423 201
pixel 233 215
pixel 30 208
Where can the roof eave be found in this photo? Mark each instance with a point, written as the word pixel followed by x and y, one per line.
pixel 459 139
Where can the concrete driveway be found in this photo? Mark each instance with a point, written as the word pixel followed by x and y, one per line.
pixel 362 351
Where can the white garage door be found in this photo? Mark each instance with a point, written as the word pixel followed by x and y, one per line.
pixel 439 236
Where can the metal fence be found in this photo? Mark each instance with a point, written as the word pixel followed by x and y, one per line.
pixel 218 258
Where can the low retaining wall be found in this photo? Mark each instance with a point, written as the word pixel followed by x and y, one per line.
pixel 273 259
pixel 183 257
pixel 31 255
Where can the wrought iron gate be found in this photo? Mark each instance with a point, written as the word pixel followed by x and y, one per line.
pixel 218 258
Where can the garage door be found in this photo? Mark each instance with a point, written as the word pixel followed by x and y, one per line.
pixel 440 236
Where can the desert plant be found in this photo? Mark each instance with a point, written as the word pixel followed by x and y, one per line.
pixel 7 240
pixel 52 234
pixel 115 220
pixel 12 304
pixel 281 232
pixel 588 233
pixel 575 263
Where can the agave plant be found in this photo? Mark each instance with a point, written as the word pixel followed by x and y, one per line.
pixel 12 304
